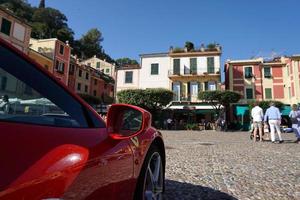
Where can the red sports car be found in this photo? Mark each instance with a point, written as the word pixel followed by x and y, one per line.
pixel 54 146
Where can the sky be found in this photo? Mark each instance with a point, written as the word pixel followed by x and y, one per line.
pixel 244 28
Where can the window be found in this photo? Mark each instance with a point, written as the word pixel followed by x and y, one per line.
pixel 268 93
pixel 72 69
pixel 249 93
pixel 176 66
pixel 95 93
pixel 211 65
pixel 267 72
pixel 107 70
pixel 128 77
pixel 61 49
pixel 248 72
pixel 80 73
pixel 27 101
pixel 211 85
pixel 86 88
pixel 154 69
pixel 19 32
pixel 193 65
pixel 60 67
pixel 95 81
pixel 205 86
pixel 98 65
pixel 78 86
pixel 89 64
pixel 5 26
pixel 87 76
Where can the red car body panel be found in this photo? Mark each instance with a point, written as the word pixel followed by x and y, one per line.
pixel 39 162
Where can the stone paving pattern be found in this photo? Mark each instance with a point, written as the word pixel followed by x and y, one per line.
pixel 228 165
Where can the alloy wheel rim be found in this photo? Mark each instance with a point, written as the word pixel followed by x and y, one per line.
pixel 153 183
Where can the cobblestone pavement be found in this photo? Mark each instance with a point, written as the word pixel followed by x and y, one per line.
pixel 226 165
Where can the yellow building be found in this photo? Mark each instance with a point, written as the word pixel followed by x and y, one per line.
pixel 41 59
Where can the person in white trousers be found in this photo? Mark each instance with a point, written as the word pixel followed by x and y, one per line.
pixel 294 116
pixel 273 116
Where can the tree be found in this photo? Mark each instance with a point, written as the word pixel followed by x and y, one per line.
pixel 189 46
pixel 217 99
pixel 42 4
pixel 89 44
pixel 51 23
pixel 19 7
pixel 149 99
pixel 126 61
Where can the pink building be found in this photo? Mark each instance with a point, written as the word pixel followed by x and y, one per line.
pixel 59 51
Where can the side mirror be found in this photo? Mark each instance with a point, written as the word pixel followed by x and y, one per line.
pixel 126 121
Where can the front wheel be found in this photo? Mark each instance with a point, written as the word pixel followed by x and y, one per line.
pixel 150 185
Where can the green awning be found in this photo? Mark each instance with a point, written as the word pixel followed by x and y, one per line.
pixel 242 109
pixel 286 110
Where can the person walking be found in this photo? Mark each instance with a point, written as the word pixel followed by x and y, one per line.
pixel 273 115
pixel 294 115
pixel 257 115
pixel 4 105
pixel 169 122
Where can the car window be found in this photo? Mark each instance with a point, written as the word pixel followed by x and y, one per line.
pixel 29 96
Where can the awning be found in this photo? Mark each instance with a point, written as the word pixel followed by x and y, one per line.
pixel 242 109
pixel 192 107
pixel 286 110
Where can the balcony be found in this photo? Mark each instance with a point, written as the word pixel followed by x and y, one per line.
pixel 190 74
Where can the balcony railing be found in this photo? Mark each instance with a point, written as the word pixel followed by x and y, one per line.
pixel 188 72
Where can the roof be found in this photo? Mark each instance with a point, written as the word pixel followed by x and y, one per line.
pixel 45 56
pixel 9 12
pixel 150 55
pixel 258 60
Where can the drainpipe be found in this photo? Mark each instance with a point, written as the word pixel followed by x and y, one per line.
pixel 261 81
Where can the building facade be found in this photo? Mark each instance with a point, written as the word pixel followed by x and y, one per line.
pixel 72 73
pixel 262 80
pixel 82 83
pixel 185 73
pixel 41 59
pixel 101 65
pixel 14 30
pixel 258 79
pixel 59 51
pixel 128 77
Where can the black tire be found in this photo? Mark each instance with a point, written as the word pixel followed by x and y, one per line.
pixel 139 191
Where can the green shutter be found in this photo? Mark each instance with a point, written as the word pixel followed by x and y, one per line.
pixel 210 65
pixel 5 26
pixel 249 93
pixel 154 69
pixel 267 72
pixel 248 72
pixel 128 77
pixel 205 86
pixel 176 66
pixel 268 93
pixel 193 65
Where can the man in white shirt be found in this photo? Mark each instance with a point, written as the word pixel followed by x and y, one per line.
pixel 257 115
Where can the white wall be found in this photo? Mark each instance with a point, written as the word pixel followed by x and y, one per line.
pixel 121 85
pixel 155 81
